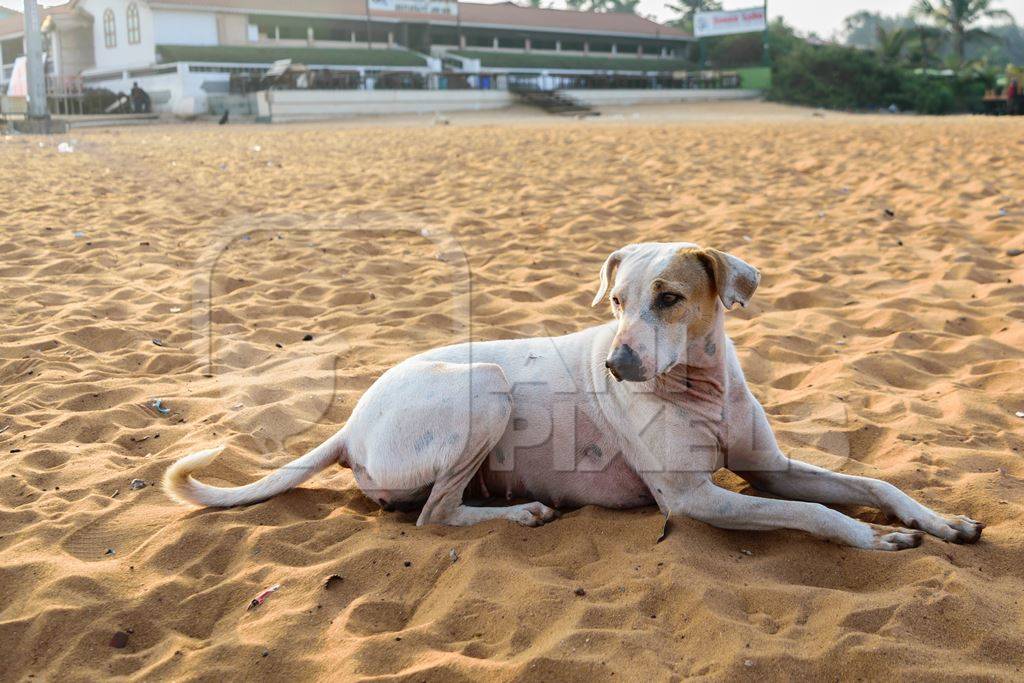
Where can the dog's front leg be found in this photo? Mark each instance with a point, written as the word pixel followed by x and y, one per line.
pixel 696 496
pixel 755 455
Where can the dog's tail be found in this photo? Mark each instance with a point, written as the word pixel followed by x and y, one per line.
pixel 179 484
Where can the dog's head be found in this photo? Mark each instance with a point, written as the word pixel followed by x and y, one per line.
pixel 666 298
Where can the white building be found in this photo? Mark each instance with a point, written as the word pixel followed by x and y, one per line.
pixel 183 51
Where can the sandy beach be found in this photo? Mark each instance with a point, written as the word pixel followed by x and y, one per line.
pixel 169 288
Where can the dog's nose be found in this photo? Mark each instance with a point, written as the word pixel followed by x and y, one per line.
pixel 625 364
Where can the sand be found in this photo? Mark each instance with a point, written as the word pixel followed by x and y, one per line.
pixel 884 345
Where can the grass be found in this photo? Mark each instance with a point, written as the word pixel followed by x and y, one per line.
pixel 755 77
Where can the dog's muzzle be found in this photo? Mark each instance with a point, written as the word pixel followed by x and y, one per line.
pixel 625 364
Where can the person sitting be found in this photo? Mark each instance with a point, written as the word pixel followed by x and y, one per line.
pixel 141 103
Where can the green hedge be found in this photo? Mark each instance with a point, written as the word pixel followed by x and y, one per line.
pixel 244 54
pixel 527 60
pixel 846 78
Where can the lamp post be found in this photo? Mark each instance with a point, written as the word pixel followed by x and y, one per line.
pixel 34 63
pixel 37 119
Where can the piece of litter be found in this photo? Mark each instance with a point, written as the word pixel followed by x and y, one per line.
pixel 237 406
pixel 580 592
pixel 65 148
pixel 1014 252
pixel 157 404
pixel 114 494
pixel 158 342
pixel 1019 413
pixel 110 551
pixel 308 337
pixel 4 428
pixel 136 484
pixel 259 599
pixel 746 552
pixel 78 233
pixel 748 662
pixel 332 580
pixel 256 148
pixel 175 309
pixel 119 640
pixel 453 556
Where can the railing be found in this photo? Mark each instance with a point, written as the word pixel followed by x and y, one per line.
pixel 667 81
pixel 330 79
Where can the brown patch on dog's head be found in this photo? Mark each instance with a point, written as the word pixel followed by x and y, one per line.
pixel 731 278
pixel 691 276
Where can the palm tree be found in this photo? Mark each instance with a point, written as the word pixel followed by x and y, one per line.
pixel 687 9
pixel 957 17
pixel 924 46
pixel 890 44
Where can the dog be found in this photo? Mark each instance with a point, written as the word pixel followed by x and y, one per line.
pixel 641 410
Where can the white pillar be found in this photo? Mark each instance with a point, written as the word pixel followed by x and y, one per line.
pixel 391 38
pixel 34 66
pixel 495 42
pixel 558 46
pixel 615 49
pixel 309 35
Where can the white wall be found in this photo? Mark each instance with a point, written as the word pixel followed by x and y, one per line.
pixel 185 28
pixel 179 92
pixel 309 105
pixel 123 55
pixel 625 97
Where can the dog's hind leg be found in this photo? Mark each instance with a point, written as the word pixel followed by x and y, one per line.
pixel 428 425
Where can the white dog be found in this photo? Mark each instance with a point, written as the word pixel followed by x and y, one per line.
pixel 538 419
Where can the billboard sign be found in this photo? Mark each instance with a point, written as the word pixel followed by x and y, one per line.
pixel 706 24
pixel 444 8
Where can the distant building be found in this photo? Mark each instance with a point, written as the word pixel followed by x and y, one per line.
pixel 183 50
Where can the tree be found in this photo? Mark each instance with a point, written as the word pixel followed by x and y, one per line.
pixel 889 44
pixel 687 10
pixel 957 18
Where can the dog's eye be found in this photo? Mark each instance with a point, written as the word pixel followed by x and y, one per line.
pixel 615 302
pixel 668 299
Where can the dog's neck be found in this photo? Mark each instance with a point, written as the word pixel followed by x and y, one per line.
pixel 699 381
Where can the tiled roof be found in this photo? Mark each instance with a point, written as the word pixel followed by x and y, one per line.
pixel 505 14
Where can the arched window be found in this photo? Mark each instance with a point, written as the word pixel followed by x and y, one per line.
pixel 109 29
pixel 134 27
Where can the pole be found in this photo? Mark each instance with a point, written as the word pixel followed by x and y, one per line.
pixel 766 55
pixel 34 63
pixel 369 41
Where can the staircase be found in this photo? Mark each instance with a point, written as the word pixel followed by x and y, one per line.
pixel 553 102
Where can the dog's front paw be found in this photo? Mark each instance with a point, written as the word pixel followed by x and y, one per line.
pixel 966 529
pixel 893 538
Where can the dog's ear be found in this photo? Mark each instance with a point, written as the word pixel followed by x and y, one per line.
pixel 735 279
pixel 608 273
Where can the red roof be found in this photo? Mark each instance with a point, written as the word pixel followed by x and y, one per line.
pixel 501 15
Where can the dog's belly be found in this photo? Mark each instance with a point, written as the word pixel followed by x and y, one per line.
pixel 558 448
pixel 537 476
